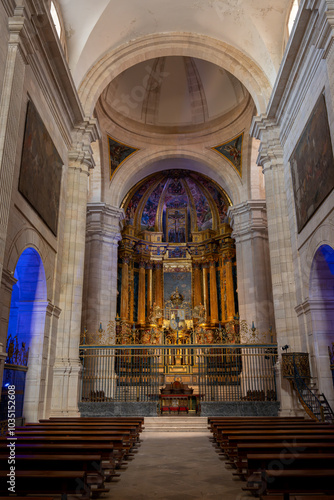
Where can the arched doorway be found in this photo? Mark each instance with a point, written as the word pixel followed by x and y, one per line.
pixel 25 335
pixel 322 313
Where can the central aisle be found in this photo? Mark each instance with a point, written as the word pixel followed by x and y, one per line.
pixel 177 466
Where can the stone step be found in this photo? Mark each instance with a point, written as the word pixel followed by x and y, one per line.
pixel 176 424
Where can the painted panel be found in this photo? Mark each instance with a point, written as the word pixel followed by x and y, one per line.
pixel 312 165
pixel 204 214
pixel 232 151
pixel 148 218
pixel 182 280
pixel 118 152
pixel 41 170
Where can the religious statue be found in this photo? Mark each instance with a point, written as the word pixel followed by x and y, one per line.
pixel 199 313
pixel 155 314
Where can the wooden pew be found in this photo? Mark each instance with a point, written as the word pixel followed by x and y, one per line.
pixel 296 481
pixel 219 432
pixel 56 482
pixel 108 428
pixel 116 447
pixel 269 461
pixel 41 447
pixel 275 455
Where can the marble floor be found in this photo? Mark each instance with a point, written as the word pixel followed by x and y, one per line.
pixel 176 466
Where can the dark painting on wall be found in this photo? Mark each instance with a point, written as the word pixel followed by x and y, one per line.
pixel 312 165
pixel 41 170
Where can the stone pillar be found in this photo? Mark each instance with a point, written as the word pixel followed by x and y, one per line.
pixel 250 231
pixel 230 305
pixel 67 368
pixel 158 270
pixel 100 285
pixel 280 245
pixel 125 288
pixel 10 110
pixel 141 294
pixel 213 294
pixel 33 312
pixel 197 284
pixel 206 298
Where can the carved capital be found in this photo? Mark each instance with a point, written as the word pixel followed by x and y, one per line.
pixel 82 136
pixel 126 260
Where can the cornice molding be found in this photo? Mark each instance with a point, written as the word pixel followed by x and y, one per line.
pixel 104 221
pixel 8 280
pixel 82 136
pixel 310 305
pixel 249 220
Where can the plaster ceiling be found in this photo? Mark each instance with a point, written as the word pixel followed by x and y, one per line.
pixel 255 27
pixel 174 92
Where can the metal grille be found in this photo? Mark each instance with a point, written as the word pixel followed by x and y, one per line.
pixel 217 372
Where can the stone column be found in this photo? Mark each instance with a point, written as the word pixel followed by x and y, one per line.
pixel 206 298
pixel 125 288
pixel 67 368
pixel 250 231
pixel 100 285
pixel 213 294
pixel 10 110
pixel 141 294
pixel 197 283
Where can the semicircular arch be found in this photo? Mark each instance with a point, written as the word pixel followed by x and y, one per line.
pixel 142 165
pixel 29 238
pixel 174 44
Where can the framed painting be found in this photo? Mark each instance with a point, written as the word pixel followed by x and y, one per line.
pixel 312 167
pixel 41 170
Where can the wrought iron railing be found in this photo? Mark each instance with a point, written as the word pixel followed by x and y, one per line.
pixel 232 372
pixel 317 409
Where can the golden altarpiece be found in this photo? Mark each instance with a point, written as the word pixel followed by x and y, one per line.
pixel 177 269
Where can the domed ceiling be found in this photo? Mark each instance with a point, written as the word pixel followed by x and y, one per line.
pixel 176 203
pixel 173 92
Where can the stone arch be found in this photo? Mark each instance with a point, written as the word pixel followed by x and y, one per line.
pixel 321 307
pixel 143 164
pixel 26 325
pixel 29 238
pixel 324 235
pixel 177 44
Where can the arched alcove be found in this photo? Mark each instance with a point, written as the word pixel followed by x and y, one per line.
pixel 26 326
pixel 322 312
